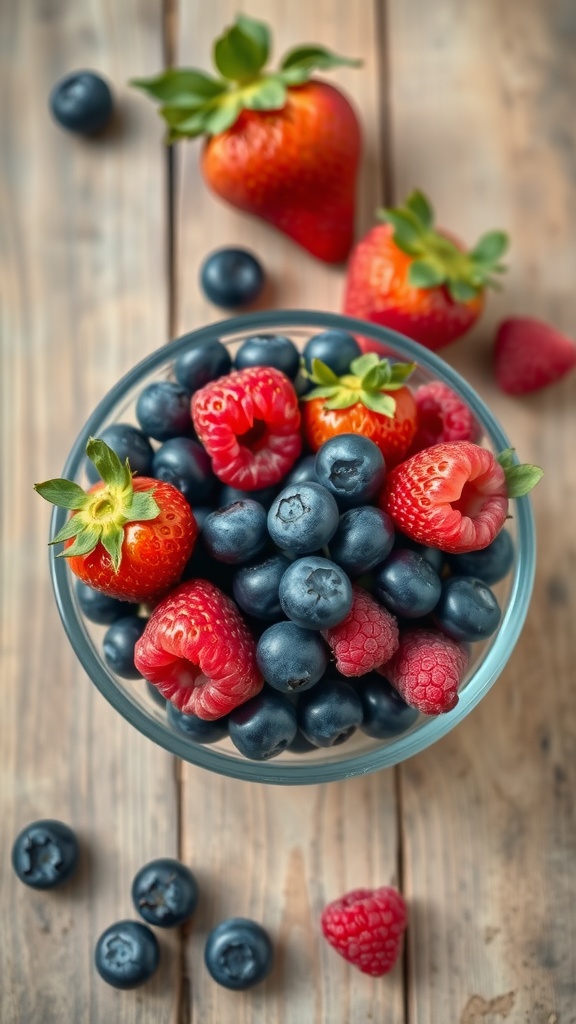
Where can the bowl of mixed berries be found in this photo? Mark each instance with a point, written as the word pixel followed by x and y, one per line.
pixel 292 547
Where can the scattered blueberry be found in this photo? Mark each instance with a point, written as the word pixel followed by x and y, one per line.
pixel 315 593
pixel 82 102
pixel 385 714
pixel 467 610
pixel 185 463
pixel 363 539
pixel 127 954
pixel 198 729
pixel 236 533
pixel 231 277
pixel 263 726
pixel 255 587
pixel 129 443
pixel 99 607
pixel 119 642
pixel 329 713
pixel 238 953
pixel 352 467
pixel 407 584
pixel 165 892
pixel 163 410
pixel 490 564
pixel 302 518
pixel 201 362
pixel 335 348
pixel 291 658
pixel 269 350
pixel 45 854
pixel 303 471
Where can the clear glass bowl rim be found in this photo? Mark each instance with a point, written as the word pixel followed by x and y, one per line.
pixel 275 771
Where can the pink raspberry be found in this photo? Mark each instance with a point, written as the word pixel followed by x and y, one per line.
pixel 366 638
pixel 427 670
pixel 442 416
pixel 366 926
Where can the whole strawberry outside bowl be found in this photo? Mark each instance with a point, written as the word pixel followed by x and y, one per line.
pixel 312 754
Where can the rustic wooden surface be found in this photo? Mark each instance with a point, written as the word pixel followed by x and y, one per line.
pixel 473 103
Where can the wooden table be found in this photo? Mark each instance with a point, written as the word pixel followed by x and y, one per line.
pixel 100 247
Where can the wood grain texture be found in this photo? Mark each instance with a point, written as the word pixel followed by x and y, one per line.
pixel 482 98
pixel 83 296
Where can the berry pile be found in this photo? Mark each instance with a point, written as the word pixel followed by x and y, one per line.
pixel 308 547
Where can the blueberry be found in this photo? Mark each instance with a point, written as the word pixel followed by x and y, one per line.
pixel 183 462
pixel 235 533
pixel 363 539
pixel 231 277
pixel 385 714
pixel 263 726
pixel 198 729
pixel 407 584
pixel 352 467
pixel 315 593
pixel 127 954
pixel 329 713
pixel 335 348
pixel 238 953
pixel 165 892
pixel 302 518
pixel 156 695
pixel 467 610
pixel 434 556
pixel 291 658
pixel 264 495
pixel 163 410
pixel 201 362
pixel 129 443
pixel 255 587
pixel 303 471
pixel 81 102
pixel 45 854
pixel 269 350
pixel 118 645
pixel 490 564
pixel 300 745
pixel 99 607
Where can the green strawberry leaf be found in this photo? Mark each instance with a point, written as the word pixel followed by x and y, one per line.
pixel 399 374
pixel 420 206
pixel 85 542
pixel 64 493
pixel 181 87
pixel 507 458
pixel 461 291
pixel 521 479
pixel 112 540
pixel 321 392
pixel 72 528
pixel 377 378
pixel 109 466
pixel 315 58
pixel 490 248
pixel 343 400
pixel 269 94
pixel 142 507
pixel 379 402
pixel 242 50
pixel 322 374
pixel 425 274
pixel 407 232
pixel 362 364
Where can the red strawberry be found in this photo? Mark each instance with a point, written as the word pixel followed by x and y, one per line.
pixel 427 670
pixel 197 649
pixel 249 423
pixel 366 638
pixel 529 354
pixel 129 538
pixel 442 416
pixel 415 279
pixel 371 400
pixel 366 926
pixel 279 147
pixel 454 495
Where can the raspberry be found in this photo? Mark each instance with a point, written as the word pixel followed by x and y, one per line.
pixel 249 423
pixel 199 652
pixel 427 670
pixel 366 638
pixel 366 926
pixel 442 416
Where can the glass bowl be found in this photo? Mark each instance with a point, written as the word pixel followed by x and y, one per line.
pixel 360 754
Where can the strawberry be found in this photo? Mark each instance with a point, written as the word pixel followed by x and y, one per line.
pixel 454 495
pixel 366 927
pixel 442 416
pixel 530 354
pixel 427 670
pixel 249 423
pixel 197 649
pixel 278 146
pixel 420 281
pixel 366 638
pixel 371 400
pixel 127 537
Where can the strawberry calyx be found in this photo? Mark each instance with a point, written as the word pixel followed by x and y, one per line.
pixel 196 103
pixel 520 477
pixel 99 515
pixel 437 260
pixel 369 382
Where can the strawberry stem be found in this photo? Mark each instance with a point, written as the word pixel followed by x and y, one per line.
pixel 369 383
pixel 521 478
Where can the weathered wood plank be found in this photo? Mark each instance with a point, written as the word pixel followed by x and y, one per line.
pixel 481 99
pixel 83 297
